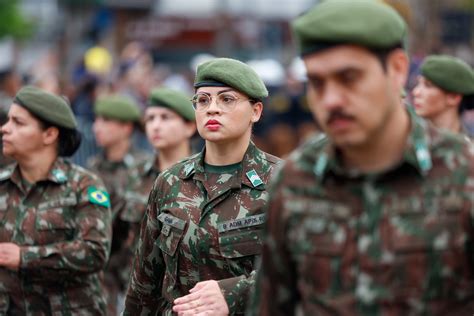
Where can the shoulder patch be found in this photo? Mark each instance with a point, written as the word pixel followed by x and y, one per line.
pixel 98 197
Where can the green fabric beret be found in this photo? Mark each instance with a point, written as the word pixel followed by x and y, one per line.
pixel 367 23
pixel 117 107
pixel 173 100
pixel 46 106
pixel 449 73
pixel 231 73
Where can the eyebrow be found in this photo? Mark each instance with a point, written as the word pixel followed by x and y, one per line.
pixel 220 92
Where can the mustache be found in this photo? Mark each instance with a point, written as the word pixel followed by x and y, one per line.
pixel 337 115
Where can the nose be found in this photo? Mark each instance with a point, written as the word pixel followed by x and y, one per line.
pixel 332 96
pixel 4 128
pixel 416 91
pixel 213 106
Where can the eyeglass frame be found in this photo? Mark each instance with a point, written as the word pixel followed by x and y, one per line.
pixel 223 108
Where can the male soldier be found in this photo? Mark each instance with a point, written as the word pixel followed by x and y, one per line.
pixel 116 119
pixel 376 217
pixel 10 83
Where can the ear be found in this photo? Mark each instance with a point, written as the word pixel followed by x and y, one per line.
pixel 453 99
pixel 50 135
pixel 398 66
pixel 257 109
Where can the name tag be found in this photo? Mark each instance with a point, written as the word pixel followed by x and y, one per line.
pixel 171 220
pixel 61 202
pixel 242 222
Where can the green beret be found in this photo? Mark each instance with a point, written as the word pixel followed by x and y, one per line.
pixel 117 107
pixel 46 106
pixel 367 23
pixel 449 73
pixel 173 100
pixel 231 73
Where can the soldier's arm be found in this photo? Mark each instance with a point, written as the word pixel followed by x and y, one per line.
pixel 87 251
pixel 144 291
pixel 275 291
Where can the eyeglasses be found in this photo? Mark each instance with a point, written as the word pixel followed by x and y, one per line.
pixel 225 101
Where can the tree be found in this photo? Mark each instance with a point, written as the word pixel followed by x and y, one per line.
pixel 12 21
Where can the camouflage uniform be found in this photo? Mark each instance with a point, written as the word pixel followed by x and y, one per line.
pixel 200 226
pixel 398 242
pixel 63 226
pixel 115 176
pixel 140 183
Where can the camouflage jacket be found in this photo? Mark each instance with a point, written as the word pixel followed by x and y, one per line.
pixel 139 184
pixel 63 227
pixel 138 187
pixel 194 231
pixel 398 242
pixel 115 175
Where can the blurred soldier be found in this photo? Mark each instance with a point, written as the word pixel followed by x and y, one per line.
pixel 445 89
pixel 376 218
pixel 10 83
pixel 116 119
pixel 169 125
pixel 55 230
pixel 201 232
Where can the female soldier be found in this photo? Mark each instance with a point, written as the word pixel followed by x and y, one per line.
pixel 444 91
pixel 202 229
pixel 55 216
pixel 169 125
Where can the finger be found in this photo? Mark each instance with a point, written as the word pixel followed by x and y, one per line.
pixel 187 298
pixel 184 307
pixel 201 310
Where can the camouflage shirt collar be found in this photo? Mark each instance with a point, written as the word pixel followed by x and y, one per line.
pixel 416 152
pixel 127 161
pixel 251 167
pixel 57 173
pixel 149 164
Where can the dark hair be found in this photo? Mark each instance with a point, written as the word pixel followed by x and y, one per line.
pixel 69 139
pixel 467 103
pixel 383 53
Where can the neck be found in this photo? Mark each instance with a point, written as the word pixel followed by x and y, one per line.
pixel 169 156
pixel 223 154
pixel 34 169
pixel 384 150
pixel 117 152
pixel 448 120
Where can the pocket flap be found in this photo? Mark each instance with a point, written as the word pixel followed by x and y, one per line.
pixel 241 243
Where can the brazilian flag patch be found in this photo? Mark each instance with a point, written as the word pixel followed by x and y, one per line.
pixel 98 197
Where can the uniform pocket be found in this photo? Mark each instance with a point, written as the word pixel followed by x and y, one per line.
pixel 318 244
pixel 54 225
pixel 172 231
pixel 241 243
pixel 241 237
pixel 429 253
pixel 77 302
